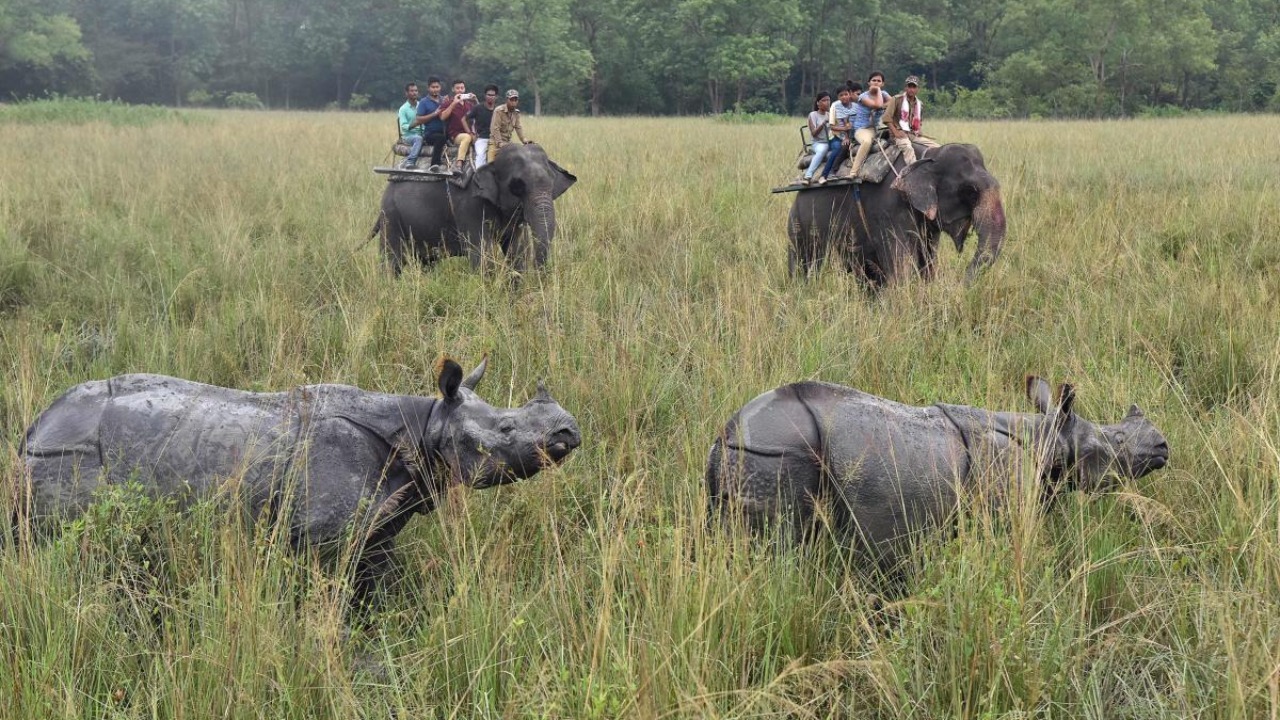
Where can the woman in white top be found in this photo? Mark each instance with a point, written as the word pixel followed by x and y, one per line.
pixel 820 131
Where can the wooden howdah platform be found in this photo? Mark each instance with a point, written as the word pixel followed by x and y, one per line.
pixel 814 186
pixel 418 173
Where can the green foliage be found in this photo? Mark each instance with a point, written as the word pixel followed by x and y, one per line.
pixel 72 110
pixel 746 117
pixel 19 275
pixel 1089 58
pixel 533 39
pixel 358 101
pixel 973 104
pixel 200 98
pixel 243 101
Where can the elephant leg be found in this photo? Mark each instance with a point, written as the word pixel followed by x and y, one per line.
pixel 927 257
pixel 394 248
pixel 802 250
pixel 475 242
pixel 516 248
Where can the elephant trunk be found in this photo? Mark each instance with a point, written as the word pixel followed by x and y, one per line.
pixel 540 215
pixel 989 221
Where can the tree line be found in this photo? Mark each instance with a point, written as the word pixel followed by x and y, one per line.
pixel 979 58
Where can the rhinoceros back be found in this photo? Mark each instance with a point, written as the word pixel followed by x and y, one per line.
pixel 176 437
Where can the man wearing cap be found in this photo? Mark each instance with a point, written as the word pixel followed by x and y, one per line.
pixel 506 119
pixel 903 115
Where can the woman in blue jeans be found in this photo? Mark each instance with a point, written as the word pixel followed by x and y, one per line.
pixel 820 131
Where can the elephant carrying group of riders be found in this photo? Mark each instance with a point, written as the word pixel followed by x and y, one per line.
pixel 460 119
pixel 852 120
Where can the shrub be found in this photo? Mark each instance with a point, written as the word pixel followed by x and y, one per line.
pixel 200 98
pixel 959 102
pixel 750 118
pixel 244 101
pixel 358 101
pixel 77 111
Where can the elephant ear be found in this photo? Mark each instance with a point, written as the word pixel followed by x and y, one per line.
pixel 486 184
pixel 919 184
pixel 561 181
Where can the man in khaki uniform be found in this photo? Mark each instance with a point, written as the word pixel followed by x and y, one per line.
pixel 506 120
pixel 903 116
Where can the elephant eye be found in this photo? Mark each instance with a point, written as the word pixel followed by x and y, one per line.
pixel 516 187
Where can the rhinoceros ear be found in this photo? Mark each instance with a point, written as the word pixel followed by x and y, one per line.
pixel 1038 393
pixel 448 378
pixel 1066 399
pixel 474 378
pixel 1135 411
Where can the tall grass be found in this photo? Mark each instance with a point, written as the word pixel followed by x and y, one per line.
pixel 1142 264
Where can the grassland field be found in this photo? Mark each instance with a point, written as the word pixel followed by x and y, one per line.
pixel 1142 264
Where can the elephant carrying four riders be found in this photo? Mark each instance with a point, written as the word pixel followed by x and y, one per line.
pixel 884 230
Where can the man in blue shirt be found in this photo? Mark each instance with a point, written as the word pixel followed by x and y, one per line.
pixel 410 135
pixel 430 108
pixel 869 109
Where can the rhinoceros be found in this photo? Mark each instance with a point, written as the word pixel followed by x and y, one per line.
pixel 884 469
pixel 336 461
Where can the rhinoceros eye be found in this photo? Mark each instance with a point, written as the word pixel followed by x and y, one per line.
pixel 506 425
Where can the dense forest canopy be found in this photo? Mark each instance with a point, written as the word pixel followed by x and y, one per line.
pixel 1083 58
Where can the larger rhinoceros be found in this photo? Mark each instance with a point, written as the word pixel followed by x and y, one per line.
pixel 338 462
pixel 885 469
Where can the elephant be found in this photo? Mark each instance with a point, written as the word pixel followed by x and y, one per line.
pixel 882 230
pixel 335 463
pixel 433 218
pixel 885 470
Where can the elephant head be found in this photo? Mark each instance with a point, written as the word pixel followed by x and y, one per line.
pixel 953 188
pixel 521 183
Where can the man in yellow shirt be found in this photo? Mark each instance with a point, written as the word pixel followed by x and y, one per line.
pixel 506 120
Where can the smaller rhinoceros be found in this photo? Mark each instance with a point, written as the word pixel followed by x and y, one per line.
pixel 340 463
pixel 885 469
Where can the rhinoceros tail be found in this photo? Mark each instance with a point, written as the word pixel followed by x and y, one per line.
pixel 711 481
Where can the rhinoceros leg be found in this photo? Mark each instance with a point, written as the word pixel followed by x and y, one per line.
pixel 763 490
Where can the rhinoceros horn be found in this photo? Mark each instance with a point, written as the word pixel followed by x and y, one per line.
pixel 543 395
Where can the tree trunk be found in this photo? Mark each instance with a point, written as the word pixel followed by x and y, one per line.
pixel 597 88
pixel 537 96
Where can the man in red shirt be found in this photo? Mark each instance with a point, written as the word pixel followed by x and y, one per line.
pixel 455 118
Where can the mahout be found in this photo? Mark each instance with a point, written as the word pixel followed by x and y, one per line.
pixel 345 468
pixel 509 201
pixel 878 471
pixel 882 231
